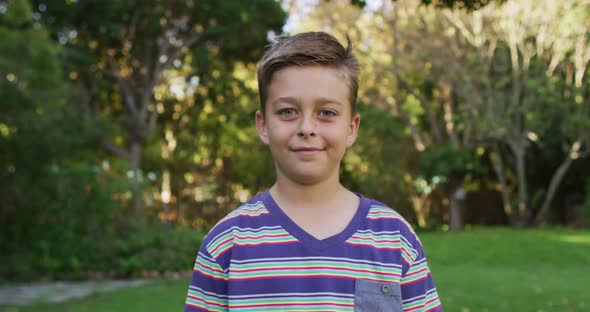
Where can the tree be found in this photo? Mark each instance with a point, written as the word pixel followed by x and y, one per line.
pixel 124 51
pixel 399 91
pixel 470 85
pixel 536 48
pixel 463 4
pixel 49 178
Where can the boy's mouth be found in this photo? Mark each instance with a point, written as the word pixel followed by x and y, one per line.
pixel 306 150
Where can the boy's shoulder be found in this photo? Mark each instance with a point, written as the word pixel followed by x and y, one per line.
pixel 381 217
pixel 378 211
pixel 254 207
pixel 244 216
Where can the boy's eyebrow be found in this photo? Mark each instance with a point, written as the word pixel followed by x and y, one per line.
pixel 292 100
pixel 286 99
pixel 324 100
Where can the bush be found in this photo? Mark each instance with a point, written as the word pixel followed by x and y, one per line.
pixel 154 250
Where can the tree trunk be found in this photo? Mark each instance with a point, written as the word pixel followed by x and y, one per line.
pixel 456 204
pixel 499 170
pixel 447 103
pixel 523 211
pixel 553 186
pixel 137 195
pixel 165 196
pixel 421 209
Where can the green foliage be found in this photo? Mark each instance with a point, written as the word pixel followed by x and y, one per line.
pixel 65 213
pixel 70 255
pixel 55 200
pixel 156 249
pixel 28 61
pixel 463 4
pixel 123 58
pixel 447 161
pixel 232 26
pixel 368 166
pixel 67 201
pixel 72 212
pixel 16 15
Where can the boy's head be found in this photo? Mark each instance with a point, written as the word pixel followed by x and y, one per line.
pixel 308 87
pixel 311 48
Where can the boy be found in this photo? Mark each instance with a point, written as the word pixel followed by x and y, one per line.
pixel 308 243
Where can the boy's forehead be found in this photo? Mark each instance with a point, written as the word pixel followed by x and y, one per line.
pixel 320 74
pixel 334 70
pixel 321 81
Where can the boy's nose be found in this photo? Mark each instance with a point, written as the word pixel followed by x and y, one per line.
pixel 307 127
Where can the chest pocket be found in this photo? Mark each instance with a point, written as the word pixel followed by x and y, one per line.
pixel 371 296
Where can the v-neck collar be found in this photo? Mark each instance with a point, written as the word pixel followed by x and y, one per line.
pixel 309 240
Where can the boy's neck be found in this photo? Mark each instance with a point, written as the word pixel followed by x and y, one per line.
pixel 322 210
pixel 300 195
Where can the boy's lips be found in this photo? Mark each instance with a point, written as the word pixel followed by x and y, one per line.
pixel 306 150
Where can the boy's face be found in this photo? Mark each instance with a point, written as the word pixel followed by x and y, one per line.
pixel 308 122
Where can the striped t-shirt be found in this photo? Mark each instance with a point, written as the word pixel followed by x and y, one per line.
pixel 258 259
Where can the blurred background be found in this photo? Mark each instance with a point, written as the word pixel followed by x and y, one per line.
pixel 127 131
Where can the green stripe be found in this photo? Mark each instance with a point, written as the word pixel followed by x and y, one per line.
pixel 374 243
pixel 204 297
pixel 297 300
pixel 312 273
pixel 295 309
pixel 306 264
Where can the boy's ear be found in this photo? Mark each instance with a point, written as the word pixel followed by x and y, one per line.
pixel 353 130
pixel 261 127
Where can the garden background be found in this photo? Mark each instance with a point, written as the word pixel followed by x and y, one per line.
pixel 127 131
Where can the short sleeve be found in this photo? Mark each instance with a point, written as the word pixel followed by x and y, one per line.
pixel 417 286
pixel 208 288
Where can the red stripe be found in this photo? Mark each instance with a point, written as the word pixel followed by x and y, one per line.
pixel 266 243
pixel 220 244
pixel 372 245
pixel 376 279
pixel 377 240
pixel 202 265
pixel 209 276
pixel 207 303
pixel 264 236
pixel 416 280
pixel 295 277
pixel 289 305
pixel 417 272
pixel 318 267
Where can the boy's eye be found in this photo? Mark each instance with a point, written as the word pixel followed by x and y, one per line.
pixel 327 113
pixel 287 112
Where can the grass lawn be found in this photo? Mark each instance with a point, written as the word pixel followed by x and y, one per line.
pixel 511 270
pixel 495 269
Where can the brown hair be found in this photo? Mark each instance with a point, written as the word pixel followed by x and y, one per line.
pixel 310 48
